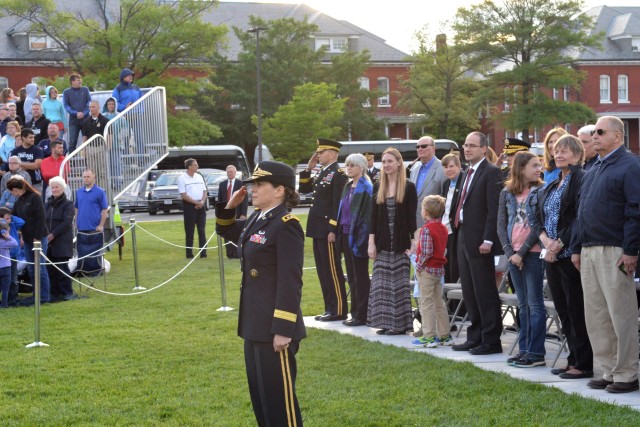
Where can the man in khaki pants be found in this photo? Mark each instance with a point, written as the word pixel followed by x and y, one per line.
pixel 606 253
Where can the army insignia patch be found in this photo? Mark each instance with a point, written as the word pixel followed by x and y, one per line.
pixel 254 272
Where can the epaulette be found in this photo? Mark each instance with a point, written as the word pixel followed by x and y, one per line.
pixel 342 171
pixel 290 217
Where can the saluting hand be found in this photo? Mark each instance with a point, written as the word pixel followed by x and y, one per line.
pixel 236 198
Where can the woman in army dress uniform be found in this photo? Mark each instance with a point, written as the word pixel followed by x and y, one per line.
pixel 271 250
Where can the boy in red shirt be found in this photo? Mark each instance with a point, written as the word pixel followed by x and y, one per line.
pixel 430 261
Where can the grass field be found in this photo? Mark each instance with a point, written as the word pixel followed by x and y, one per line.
pixel 169 358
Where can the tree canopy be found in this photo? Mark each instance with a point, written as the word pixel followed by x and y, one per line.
pixel 527 45
pixel 315 111
pixel 148 36
pixel 439 90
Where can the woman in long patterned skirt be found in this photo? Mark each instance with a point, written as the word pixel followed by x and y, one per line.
pixel 393 223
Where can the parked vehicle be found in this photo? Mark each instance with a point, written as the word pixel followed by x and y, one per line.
pixel 136 199
pixel 165 197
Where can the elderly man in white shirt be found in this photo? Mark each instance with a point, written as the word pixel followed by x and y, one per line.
pixel 194 195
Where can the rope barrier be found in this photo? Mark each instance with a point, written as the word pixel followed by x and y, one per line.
pixel 97 251
pixel 174 244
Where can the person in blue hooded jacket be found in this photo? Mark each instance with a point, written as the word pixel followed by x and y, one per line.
pixel 126 93
pixel 53 109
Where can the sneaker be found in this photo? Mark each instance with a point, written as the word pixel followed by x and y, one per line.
pixel 417 333
pixel 516 358
pixel 430 342
pixel 530 362
pixel 446 341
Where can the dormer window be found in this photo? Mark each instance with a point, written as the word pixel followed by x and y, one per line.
pixel 42 42
pixel 635 44
pixel 334 44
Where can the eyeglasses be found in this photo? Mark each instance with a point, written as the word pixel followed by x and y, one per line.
pixel 471 146
pixel 601 132
pixel 350 165
pixel 423 146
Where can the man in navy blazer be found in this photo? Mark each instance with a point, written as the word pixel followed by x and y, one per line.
pixel 475 227
pixel 226 189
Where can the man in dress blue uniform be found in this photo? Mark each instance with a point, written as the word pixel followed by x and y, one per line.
pixel 327 188
pixel 271 249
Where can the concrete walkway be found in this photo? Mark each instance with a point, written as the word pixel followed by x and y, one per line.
pixel 493 362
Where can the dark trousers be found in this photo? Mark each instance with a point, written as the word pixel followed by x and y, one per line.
pixel 194 217
pixel 477 277
pixel 329 269
pixel 272 383
pixel 75 127
pixel 358 277
pixel 60 283
pixel 566 290
pixel 451 272
pixel 230 247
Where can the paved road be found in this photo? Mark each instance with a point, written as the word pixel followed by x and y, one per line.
pixel 177 216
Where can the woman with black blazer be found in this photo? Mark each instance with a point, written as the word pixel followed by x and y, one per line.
pixel 557 208
pixel 393 224
pixel 450 187
pixel 59 215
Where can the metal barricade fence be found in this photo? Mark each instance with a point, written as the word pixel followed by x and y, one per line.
pixel 134 141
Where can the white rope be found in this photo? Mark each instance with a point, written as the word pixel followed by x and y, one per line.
pixel 176 245
pixel 83 257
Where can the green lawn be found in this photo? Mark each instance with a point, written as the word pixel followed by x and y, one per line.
pixel 169 358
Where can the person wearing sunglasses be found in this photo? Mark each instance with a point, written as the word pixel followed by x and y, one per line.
pixel 605 251
pixel 427 174
pixel 590 155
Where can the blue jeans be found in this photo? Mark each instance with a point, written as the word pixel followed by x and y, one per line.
pixel 528 284
pixel 44 276
pixel 75 127
pixel 5 282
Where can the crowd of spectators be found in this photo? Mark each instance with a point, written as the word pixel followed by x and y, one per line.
pixel 35 202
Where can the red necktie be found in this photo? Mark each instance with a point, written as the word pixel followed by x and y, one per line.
pixel 229 188
pixel 456 220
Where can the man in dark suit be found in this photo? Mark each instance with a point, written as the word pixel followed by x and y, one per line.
pixel 225 190
pixel 327 188
pixel 475 222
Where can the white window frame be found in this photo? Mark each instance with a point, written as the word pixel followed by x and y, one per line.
pixel 507 107
pixel 364 84
pixel 42 42
pixel 385 100
pixel 4 82
pixel 623 89
pixel 556 93
pixel 605 89
pixel 565 93
pixel 335 44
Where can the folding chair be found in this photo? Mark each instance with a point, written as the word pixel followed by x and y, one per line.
pixel 90 255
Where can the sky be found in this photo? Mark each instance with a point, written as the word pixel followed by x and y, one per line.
pixel 397 21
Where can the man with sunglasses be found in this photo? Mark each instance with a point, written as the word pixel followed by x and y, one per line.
pixel 590 155
pixel 605 250
pixel 427 173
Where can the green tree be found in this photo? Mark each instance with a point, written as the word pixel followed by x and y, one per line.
pixel 148 36
pixel 440 90
pixel 314 112
pixel 524 46
pixel 359 122
pixel 287 60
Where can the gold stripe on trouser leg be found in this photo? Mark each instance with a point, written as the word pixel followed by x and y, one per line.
pixel 336 284
pixel 288 388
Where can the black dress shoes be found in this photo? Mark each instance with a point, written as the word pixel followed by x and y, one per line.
pixel 620 387
pixel 582 374
pixel 483 349
pixel 465 346
pixel 599 384
pixel 354 322
pixel 558 371
pixel 331 317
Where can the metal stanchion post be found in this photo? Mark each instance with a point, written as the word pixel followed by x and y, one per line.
pixel 37 249
pixel 223 287
pixel 134 246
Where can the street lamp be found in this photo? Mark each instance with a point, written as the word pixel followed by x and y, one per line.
pixel 257 30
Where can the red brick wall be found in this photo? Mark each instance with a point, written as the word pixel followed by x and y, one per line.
pixel 21 75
